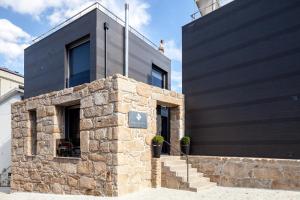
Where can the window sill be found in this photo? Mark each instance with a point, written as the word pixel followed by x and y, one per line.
pixel 67 158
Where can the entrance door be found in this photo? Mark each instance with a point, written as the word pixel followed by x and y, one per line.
pixel 163 126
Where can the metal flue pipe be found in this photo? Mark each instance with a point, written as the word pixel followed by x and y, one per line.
pixel 126 50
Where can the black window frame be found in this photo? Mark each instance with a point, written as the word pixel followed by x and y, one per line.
pixel 164 76
pixel 71 46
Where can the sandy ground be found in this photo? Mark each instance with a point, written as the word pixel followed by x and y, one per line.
pixel 215 193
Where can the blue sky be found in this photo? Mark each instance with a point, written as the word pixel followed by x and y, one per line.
pixel 23 20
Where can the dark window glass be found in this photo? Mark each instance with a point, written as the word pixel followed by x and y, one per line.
pixel 70 145
pixel 159 77
pixel 79 64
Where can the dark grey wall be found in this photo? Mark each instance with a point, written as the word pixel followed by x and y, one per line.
pixel 141 55
pixel 45 61
pixel 241 78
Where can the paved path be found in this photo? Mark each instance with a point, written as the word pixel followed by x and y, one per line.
pixel 215 193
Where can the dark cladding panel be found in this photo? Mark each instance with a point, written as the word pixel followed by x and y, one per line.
pixel 44 61
pixel 241 79
pixel 141 54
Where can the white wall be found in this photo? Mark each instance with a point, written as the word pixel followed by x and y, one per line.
pixel 5 131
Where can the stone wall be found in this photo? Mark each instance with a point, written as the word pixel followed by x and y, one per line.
pixel 250 172
pixel 115 159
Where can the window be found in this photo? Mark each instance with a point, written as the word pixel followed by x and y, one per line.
pixel 79 63
pixel 33 132
pixel 159 77
pixel 69 146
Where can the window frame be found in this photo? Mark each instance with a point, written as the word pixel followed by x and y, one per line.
pixel 70 46
pixel 164 76
pixel 65 120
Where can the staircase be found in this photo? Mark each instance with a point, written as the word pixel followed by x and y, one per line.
pixel 174 175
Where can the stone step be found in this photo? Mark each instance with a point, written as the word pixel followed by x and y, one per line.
pixel 201 186
pixel 175 162
pixel 176 168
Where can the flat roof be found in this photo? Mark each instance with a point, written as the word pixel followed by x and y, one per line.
pixel 11 72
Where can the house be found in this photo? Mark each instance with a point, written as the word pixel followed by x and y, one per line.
pixel 11 90
pixel 88 128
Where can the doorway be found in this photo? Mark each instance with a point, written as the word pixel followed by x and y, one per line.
pixel 163 126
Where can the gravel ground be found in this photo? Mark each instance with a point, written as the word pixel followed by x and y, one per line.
pixel 215 193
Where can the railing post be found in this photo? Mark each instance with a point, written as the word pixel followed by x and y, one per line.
pixel 187 168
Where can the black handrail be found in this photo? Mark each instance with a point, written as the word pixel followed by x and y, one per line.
pixel 186 156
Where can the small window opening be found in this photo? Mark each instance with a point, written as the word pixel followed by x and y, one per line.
pixel 33 132
pixel 69 146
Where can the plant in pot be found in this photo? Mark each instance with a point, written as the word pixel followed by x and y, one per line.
pixel 157 143
pixel 185 145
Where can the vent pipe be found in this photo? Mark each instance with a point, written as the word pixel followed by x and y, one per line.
pixel 126 39
pixel 207 6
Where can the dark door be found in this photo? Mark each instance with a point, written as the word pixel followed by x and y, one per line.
pixel 163 126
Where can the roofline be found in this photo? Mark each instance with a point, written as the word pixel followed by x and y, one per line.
pixel 11 93
pixel 11 72
pixel 88 9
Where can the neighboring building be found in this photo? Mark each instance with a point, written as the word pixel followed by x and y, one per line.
pixel 11 90
pixel 9 80
pixel 88 48
pixel 241 79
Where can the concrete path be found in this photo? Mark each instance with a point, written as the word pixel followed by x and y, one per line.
pixel 215 193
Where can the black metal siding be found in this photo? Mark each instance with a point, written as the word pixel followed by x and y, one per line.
pixel 241 78
pixel 45 62
pixel 141 55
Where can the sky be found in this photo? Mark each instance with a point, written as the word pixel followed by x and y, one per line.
pixel 23 20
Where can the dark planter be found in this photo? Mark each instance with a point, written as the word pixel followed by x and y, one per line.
pixel 185 149
pixel 156 148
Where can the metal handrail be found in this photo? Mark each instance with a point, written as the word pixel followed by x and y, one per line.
pixel 220 2
pixel 186 156
pixel 109 13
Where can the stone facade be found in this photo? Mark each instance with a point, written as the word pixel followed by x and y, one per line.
pixel 250 172
pixel 114 160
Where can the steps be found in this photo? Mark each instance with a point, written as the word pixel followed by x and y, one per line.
pixel 174 175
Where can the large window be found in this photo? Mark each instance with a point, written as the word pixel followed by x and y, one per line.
pixel 70 145
pixel 79 63
pixel 159 77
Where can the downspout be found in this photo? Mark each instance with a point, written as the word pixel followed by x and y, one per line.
pixel 126 40
pixel 106 27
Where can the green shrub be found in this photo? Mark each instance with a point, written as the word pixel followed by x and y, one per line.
pixel 185 140
pixel 158 139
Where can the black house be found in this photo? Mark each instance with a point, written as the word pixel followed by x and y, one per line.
pixel 88 48
pixel 241 80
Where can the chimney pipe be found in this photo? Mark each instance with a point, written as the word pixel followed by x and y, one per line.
pixel 126 39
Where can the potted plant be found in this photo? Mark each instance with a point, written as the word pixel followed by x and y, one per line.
pixel 185 144
pixel 157 143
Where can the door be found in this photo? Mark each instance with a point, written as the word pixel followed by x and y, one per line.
pixel 163 126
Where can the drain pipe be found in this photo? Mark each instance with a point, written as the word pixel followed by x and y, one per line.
pixel 106 27
pixel 126 39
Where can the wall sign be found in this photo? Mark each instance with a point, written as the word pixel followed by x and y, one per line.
pixel 137 119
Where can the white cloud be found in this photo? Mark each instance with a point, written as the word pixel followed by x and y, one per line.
pixel 56 11
pixel 173 51
pixel 176 80
pixel 13 40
